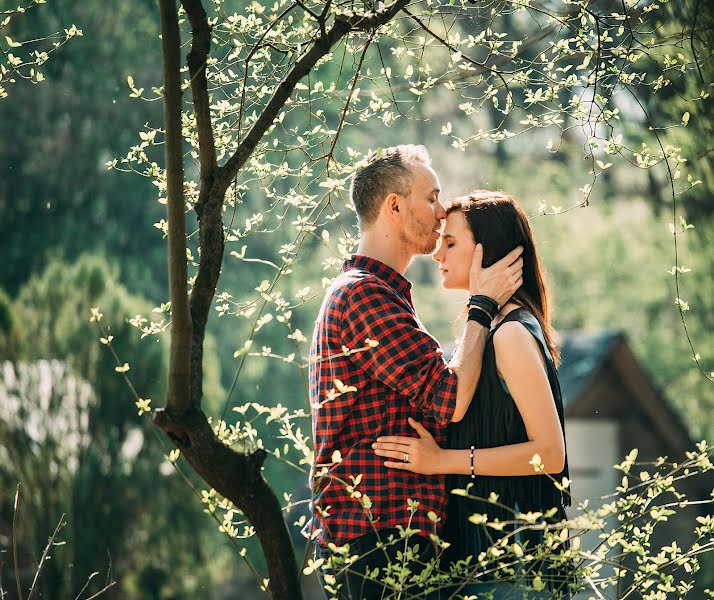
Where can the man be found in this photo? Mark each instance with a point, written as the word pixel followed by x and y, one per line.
pixel 373 366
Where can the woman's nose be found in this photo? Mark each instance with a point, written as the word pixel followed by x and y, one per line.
pixel 437 255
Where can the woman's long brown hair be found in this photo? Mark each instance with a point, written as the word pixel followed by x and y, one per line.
pixel 499 224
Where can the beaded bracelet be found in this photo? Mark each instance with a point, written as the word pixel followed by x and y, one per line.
pixel 473 475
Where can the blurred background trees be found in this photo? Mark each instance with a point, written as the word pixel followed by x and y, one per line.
pixel 70 433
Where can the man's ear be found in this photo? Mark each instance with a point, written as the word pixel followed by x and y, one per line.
pixel 393 206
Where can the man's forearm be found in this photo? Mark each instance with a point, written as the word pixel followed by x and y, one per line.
pixel 466 363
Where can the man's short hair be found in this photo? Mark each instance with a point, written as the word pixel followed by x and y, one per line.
pixel 387 171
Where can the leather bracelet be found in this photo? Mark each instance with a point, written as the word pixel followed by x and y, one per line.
pixel 479 315
pixel 491 314
pixel 473 475
pixel 487 309
pixel 486 302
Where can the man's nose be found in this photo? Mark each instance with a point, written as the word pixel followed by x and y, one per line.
pixel 440 211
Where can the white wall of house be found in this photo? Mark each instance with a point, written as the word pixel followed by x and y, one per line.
pixel 593 448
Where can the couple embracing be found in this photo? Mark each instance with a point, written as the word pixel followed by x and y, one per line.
pixel 395 426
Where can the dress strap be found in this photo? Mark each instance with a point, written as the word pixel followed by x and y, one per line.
pixel 528 320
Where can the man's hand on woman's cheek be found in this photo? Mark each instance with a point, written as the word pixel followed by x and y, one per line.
pixel 499 281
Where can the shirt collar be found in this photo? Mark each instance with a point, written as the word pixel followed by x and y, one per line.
pixel 393 278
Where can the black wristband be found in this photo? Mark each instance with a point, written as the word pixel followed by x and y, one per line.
pixel 485 302
pixel 479 315
pixel 491 314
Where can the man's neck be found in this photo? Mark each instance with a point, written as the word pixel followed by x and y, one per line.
pixel 385 248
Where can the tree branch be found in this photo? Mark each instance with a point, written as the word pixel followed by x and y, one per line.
pixel 197 58
pixel 247 60
pixel 239 478
pixel 480 68
pixel 45 555
pixel 14 544
pixel 178 400
pixel 355 79
pixel 321 46
pixel 211 218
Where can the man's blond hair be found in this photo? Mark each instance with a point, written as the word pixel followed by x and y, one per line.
pixel 387 171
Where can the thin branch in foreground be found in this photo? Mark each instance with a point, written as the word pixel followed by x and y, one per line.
pixel 45 556
pixel 100 592
pixel 14 542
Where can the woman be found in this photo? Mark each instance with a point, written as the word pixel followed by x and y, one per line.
pixel 517 411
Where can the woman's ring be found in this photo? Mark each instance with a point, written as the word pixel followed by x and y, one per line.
pixel 406 457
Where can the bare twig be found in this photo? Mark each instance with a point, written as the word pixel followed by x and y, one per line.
pixel 45 554
pixel 695 55
pixel 108 585
pixel 104 589
pixel 14 543
pixel 86 584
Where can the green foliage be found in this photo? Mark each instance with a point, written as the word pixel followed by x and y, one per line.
pixel 620 544
pixel 56 196
pixel 54 309
pixel 86 453
pixel 618 274
pixel 10 330
pixel 23 58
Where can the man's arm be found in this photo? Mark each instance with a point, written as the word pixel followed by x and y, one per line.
pixel 466 363
pixel 499 281
pixel 406 358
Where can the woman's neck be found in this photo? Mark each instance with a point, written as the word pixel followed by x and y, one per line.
pixel 509 307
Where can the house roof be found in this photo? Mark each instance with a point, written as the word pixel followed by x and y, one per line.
pixel 585 355
pixel 584 358
pixel 580 356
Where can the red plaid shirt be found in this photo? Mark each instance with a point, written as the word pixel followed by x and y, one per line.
pixel 359 392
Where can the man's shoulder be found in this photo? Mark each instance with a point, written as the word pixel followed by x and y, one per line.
pixel 355 283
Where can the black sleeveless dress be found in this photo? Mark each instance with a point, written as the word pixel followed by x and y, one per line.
pixel 493 420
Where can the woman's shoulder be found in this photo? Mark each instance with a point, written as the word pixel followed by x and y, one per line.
pixel 514 328
pixel 518 329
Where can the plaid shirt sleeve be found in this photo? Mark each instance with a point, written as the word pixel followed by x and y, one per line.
pixel 407 360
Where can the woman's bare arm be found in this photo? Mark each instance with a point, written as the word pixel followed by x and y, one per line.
pixel 520 363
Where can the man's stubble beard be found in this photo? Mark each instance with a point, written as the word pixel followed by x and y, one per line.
pixel 415 241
